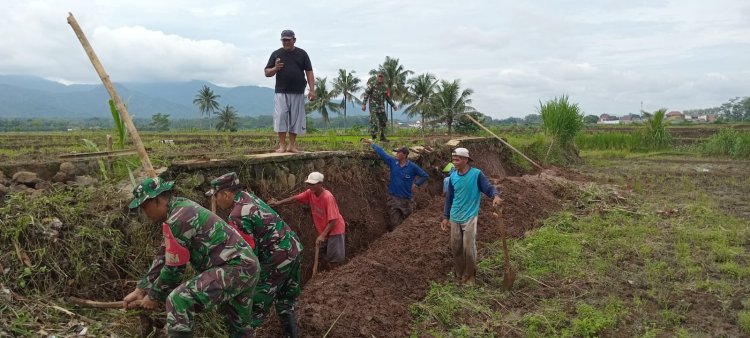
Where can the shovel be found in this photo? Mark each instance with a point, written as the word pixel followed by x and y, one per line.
pixel 509 276
pixel 315 264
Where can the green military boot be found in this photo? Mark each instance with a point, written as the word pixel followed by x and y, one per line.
pixel 179 334
pixel 289 325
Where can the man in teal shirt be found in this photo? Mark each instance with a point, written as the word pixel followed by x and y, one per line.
pixel 462 210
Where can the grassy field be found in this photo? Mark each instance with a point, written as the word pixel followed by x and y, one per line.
pixel 655 247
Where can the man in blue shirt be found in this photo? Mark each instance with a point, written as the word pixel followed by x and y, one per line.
pixel 403 172
pixel 462 210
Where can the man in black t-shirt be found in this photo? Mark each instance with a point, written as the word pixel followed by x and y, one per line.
pixel 290 65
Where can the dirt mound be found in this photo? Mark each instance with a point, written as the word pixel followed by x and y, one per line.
pixel 372 292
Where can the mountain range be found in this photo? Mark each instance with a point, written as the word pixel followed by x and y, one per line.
pixel 23 96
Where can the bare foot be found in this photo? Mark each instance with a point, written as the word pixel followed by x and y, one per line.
pixel 281 149
pixel 292 149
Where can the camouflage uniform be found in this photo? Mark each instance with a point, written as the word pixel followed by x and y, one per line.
pixel 227 269
pixel 279 253
pixel 377 94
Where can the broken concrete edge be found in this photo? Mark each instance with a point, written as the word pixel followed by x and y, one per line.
pixel 49 170
pixel 264 158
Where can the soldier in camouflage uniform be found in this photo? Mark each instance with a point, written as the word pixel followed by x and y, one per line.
pixel 377 93
pixel 278 248
pixel 226 267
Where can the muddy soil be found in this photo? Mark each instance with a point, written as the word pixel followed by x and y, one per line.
pixel 373 291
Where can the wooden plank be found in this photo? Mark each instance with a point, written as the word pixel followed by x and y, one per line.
pixel 98 154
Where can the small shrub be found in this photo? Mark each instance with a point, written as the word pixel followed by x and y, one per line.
pixel 655 134
pixel 590 322
pixel 562 120
pixel 743 320
pixel 728 142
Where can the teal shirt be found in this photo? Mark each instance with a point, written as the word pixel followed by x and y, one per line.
pixel 463 196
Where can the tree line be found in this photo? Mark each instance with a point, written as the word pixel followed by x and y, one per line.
pixel 433 100
pixel 734 110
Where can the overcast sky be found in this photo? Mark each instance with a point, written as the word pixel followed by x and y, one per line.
pixel 607 55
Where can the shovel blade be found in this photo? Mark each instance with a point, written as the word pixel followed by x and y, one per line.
pixel 508 278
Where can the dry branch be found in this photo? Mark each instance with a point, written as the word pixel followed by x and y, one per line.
pixel 99 305
pixel 501 140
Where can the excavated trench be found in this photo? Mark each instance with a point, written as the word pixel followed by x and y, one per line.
pixel 385 271
pixel 358 180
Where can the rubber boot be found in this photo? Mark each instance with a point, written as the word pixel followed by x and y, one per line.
pixel 289 325
pixel 179 334
pixel 382 138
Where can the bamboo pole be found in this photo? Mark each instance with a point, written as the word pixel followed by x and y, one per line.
pixel 113 94
pixel 501 140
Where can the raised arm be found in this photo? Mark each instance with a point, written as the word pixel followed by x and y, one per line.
pixel 273 66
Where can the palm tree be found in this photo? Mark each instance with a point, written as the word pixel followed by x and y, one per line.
pixel 449 102
pixel 227 119
pixel 323 101
pixel 346 84
pixel 421 90
pixel 206 102
pixel 395 79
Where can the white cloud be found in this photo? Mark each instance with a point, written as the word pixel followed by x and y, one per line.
pixel 138 54
pixel 607 55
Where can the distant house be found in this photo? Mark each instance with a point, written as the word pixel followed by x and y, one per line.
pixel 630 118
pixel 675 115
pixel 603 118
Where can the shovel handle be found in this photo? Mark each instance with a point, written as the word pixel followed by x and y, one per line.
pixel 315 263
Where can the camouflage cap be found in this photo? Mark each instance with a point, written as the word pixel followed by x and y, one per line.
pixel 149 188
pixel 228 180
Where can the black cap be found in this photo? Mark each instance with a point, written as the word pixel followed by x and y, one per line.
pixel 287 34
pixel 403 150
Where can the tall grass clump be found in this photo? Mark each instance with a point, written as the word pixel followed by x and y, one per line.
pixel 728 142
pixel 119 125
pixel 655 134
pixel 562 120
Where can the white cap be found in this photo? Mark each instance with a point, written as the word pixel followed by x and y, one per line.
pixel 314 178
pixel 463 152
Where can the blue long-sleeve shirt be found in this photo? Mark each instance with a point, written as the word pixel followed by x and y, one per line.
pixel 462 199
pixel 402 178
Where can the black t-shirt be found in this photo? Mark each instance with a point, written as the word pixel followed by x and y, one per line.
pixel 291 78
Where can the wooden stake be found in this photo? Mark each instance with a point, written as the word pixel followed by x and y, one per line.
pixel 109 143
pixel 501 140
pixel 113 94
pixel 109 148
